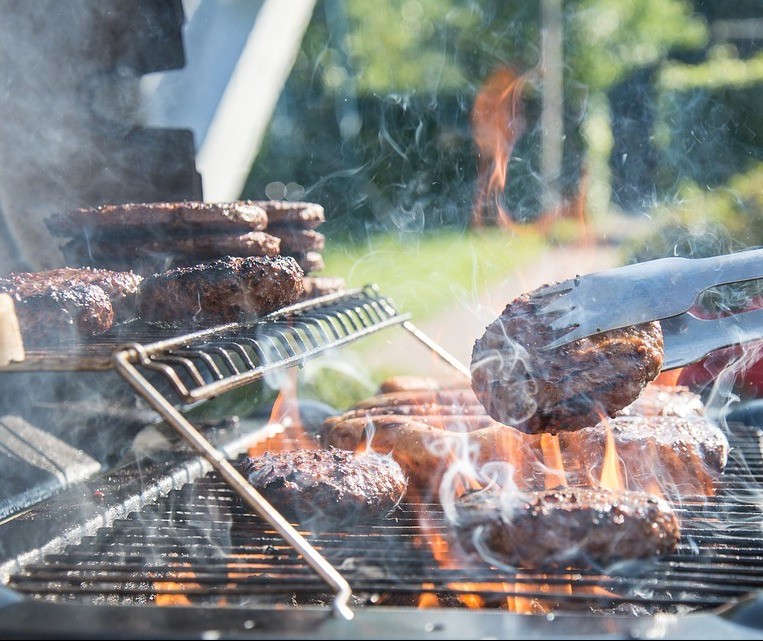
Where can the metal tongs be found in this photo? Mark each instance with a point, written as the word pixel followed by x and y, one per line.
pixel 659 290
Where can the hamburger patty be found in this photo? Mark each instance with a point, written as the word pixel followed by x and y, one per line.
pixel 120 286
pixel 566 526
pixel 197 246
pixel 230 289
pixel 148 218
pixel 567 388
pixel 57 313
pixel 66 303
pixel 296 242
pixel 284 213
pixel 328 487
pixel 684 456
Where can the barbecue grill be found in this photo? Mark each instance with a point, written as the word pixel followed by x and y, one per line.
pixel 174 534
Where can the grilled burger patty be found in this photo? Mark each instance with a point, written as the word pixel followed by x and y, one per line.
pixel 57 303
pixel 566 526
pixel 63 313
pixel 330 487
pixel 291 214
pixel 566 388
pixel 295 242
pixel 226 290
pixel 198 246
pixel 683 456
pixel 149 219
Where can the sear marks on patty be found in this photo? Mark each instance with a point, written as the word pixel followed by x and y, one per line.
pixel 567 526
pixel 567 388
pixel 230 289
pixel 327 488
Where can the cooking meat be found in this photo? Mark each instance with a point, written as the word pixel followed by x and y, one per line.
pixel 148 219
pixel 665 400
pixel 327 487
pixel 121 287
pixel 418 383
pixel 362 423
pixel 457 398
pixel 222 291
pixel 567 388
pixel 299 241
pixel 293 215
pixel 430 413
pixel 681 457
pixel 310 262
pixel 315 286
pixel 197 246
pixel 684 456
pixel 425 451
pixel 64 313
pixel 565 526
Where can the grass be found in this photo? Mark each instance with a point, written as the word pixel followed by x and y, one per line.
pixel 424 275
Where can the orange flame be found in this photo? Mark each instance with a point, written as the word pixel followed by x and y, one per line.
pixel 552 454
pixel 284 430
pixel 498 122
pixel 611 472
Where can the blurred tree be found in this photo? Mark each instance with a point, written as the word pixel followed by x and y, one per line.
pixel 374 122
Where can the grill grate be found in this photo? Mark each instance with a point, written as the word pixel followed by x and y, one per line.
pixel 206 364
pixel 199 546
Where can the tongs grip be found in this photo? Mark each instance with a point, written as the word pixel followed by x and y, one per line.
pixel 725 269
pixel 640 293
pixel 689 339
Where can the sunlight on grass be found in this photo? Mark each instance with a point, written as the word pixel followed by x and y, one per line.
pixel 426 274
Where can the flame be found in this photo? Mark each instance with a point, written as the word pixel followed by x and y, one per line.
pixel 284 430
pixel 611 471
pixel 498 122
pixel 552 454
pixel 169 593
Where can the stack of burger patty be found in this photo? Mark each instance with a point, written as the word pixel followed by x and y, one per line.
pixel 149 238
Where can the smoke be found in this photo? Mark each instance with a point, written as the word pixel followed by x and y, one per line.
pixel 69 135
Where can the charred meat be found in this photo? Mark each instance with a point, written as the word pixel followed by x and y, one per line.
pixel 570 526
pixel 327 488
pixel 684 456
pixel 61 314
pixel 230 289
pixel 68 302
pixel 120 286
pixel 426 450
pixel 567 388
pixel 292 214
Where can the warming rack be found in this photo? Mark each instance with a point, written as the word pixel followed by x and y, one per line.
pixel 199 366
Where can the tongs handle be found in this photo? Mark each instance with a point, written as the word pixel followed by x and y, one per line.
pixel 727 268
pixel 689 339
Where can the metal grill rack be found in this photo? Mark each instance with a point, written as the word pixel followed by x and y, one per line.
pixel 172 373
pixel 199 546
pixel 205 364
